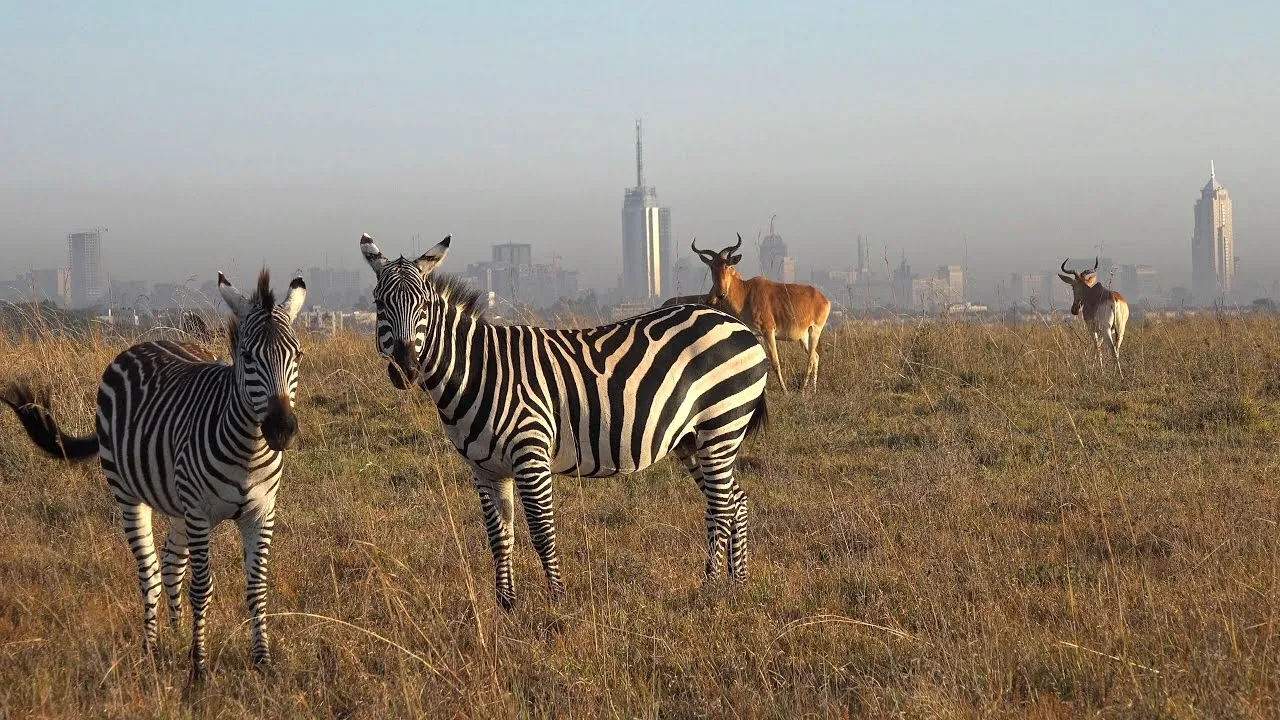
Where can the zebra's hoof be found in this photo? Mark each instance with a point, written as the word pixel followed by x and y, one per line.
pixel 507 603
pixel 261 661
pixel 196 676
pixel 556 594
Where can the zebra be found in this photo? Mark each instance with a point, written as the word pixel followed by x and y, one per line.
pixel 198 440
pixel 522 403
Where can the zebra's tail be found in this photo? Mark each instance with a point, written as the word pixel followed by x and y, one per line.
pixel 33 411
pixel 759 417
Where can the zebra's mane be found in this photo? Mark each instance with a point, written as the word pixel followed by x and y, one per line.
pixel 264 297
pixel 458 293
pixel 263 294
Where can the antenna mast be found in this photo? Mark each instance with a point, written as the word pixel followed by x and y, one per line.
pixel 639 156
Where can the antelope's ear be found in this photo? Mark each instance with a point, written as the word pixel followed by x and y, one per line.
pixel 735 259
pixel 372 254
pixel 238 303
pixel 297 295
pixel 1066 279
pixel 431 258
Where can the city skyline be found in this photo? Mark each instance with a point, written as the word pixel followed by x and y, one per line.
pixel 225 145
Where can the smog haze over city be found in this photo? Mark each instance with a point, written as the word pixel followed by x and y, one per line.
pixel 226 137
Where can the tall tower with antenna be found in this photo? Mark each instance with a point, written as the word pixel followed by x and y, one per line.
pixel 648 246
pixel 1213 248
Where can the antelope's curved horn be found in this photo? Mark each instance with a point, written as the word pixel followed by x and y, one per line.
pixel 1095 263
pixel 734 249
pixel 1064 267
pixel 703 253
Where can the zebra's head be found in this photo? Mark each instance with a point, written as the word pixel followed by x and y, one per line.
pixel 266 354
pixel 401 297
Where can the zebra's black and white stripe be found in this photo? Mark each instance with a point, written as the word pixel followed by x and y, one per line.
pixel 529 402
pixel 198 440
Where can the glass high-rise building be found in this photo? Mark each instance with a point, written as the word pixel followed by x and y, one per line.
pixel 84 251
pixel 648 247
pixel 1213 247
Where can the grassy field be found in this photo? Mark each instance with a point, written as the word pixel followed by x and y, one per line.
pixel 964 522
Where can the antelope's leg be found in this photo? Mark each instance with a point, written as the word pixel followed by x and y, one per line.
pixel 771 348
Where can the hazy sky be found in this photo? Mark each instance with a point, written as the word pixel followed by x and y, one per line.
pixel 222 137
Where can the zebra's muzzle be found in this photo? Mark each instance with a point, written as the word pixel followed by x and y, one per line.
pixel 402 370
pixel 280 425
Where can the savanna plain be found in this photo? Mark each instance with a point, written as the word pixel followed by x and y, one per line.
pixel 964 521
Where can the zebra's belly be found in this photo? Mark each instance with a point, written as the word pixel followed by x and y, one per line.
pixel 150 472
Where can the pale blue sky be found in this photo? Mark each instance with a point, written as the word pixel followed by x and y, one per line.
pixel 224 136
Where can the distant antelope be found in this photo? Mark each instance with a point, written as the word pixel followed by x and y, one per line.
pixel 1105 311
pixel 786 310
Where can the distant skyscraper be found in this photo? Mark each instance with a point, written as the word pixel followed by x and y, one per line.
pixel 773 252
pixel 1213 245
pixel 84 250
pixel 952 277
pixel 513 254
pixel 648 248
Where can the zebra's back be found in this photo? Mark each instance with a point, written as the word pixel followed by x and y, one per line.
pixel 616 398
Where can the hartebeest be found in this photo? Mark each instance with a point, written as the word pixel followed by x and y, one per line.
pixel 775 310
pixel 1105 311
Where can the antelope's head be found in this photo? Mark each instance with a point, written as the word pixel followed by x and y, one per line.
pixel 723 275
pixel 1079 282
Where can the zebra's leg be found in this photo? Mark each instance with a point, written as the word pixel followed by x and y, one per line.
pixel 533 478
pixel 136 518
pixel 718 488
pixel 255 533
pixel 201 588
pixel 738 549
pixel 174 568
pixel 497 501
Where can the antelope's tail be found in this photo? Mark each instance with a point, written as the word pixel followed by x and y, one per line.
pixel 33 412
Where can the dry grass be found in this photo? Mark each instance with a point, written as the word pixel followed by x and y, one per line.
pixel 966 522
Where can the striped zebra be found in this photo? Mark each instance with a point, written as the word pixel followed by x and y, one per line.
pixel 528 402
pixel 198 440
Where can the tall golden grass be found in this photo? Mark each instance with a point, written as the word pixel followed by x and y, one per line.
pixel 964 521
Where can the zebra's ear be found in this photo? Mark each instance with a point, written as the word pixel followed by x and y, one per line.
pixel 431 258
pixel 372 254
pixel 297 296
pixel 238 303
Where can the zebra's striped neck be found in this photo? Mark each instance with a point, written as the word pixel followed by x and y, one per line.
pixel 235 418
pixel 451 336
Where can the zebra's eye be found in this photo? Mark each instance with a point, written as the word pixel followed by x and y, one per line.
pixel 244 355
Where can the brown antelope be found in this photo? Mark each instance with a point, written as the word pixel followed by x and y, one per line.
pixel 775 310
pixel 1105 311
